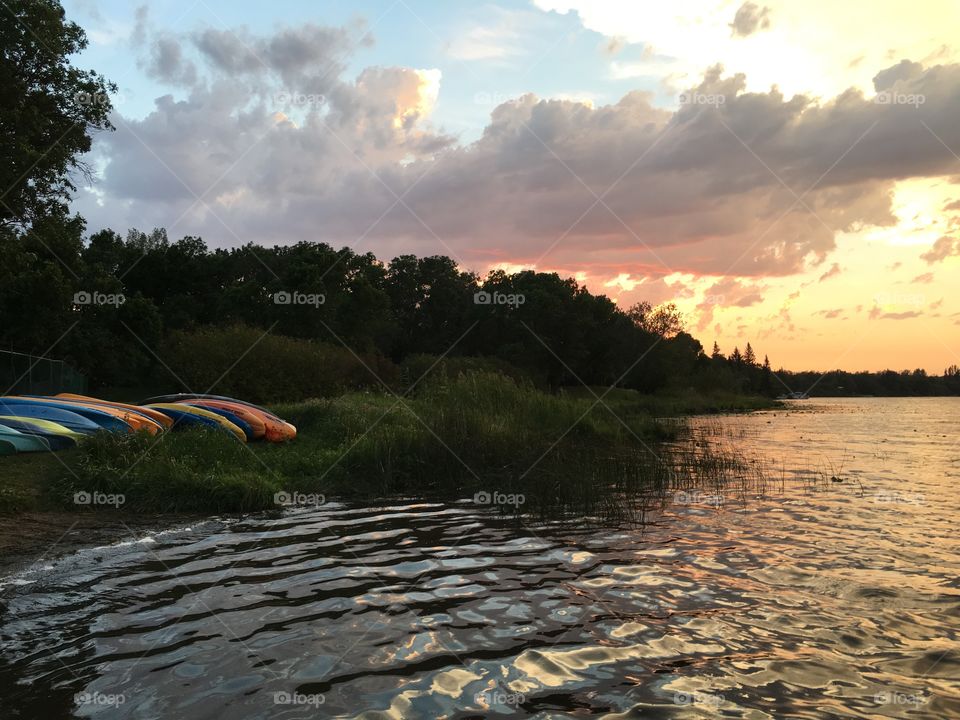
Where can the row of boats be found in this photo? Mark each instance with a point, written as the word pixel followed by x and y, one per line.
pixel 33 423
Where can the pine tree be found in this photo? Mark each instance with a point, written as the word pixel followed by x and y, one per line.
pixel 748 357
pixel 716 354
pixel 735 357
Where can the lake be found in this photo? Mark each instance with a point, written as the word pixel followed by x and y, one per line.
pixel 833 591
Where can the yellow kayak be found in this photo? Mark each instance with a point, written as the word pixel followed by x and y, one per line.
pixel 177 409
pixel 46 426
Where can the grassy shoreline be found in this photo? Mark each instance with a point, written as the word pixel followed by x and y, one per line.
pixel 479 432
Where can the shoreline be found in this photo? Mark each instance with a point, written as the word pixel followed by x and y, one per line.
pixel 49 535
pixel 192 477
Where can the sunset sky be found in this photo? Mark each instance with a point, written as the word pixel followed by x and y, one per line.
pixel 788 173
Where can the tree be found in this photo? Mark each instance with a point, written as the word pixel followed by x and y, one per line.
pixel 735 357
pixel 48 109
pixel 716 354
pixel 748 356
pixel 664 320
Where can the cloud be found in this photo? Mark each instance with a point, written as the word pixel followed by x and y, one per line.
pixel 955 205
pixel 924 278
pixel 750 17
pixel 943 248
pixel 282 144
pixel 727 293
pixel 830 314
pixel 906 315
pixel 833 271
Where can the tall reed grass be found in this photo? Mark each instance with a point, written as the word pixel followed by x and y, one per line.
pixel 478 433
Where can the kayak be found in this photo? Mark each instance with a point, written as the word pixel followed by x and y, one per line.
pixel 57 436
pixel 133 420
pixel 104 419
pixel 155 415
pixel 22 442
pixel 180 397
pixel 67 418
pixel 176 408
pixel 275 429
pixel 232 417
pixel 184 418
pixel 261 423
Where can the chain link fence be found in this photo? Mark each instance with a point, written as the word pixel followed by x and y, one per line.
pixel 33 375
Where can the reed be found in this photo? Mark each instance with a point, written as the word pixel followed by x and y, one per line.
pixel 478 434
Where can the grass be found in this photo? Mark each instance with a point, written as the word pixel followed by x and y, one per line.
pixel 478 432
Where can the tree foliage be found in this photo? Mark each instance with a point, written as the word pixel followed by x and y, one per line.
pixel 48 110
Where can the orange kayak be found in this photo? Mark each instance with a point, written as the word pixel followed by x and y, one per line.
pixel 157 417
pixel 134 420
pixel 274 429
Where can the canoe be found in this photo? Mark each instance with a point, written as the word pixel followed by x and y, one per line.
pixel 258 421
pixel 104 419
pixel 134 420
pixel 67 418
pixel 7 448
pixel 57 436
pixel 22 442
pixel 170 408
pixel 155 415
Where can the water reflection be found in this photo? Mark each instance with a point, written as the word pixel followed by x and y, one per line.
pixel 804 598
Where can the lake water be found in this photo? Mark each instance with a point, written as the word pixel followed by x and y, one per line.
pixel 813 599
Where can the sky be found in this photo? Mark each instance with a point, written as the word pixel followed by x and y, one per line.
pixel 788 174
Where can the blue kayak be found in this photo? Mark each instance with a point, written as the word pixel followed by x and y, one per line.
pixel 104 420
pixel 242 424
pixel 23 443
pixel 67 418
pixel 53 440
pixel 182 419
